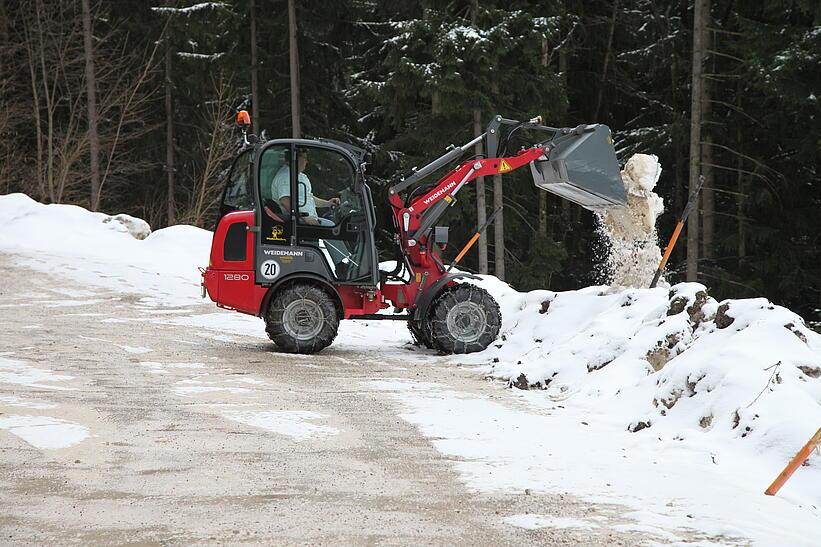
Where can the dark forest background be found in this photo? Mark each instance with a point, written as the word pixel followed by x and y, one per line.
pixel 143 124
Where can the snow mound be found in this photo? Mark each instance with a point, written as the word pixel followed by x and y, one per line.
pixel 630 231
pixel 665 362
pixel 120 252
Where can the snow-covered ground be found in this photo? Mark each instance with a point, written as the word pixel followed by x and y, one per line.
pixel 665 400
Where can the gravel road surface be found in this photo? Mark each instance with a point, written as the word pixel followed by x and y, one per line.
pixel 172 434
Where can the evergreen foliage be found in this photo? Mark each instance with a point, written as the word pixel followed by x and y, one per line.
pixel 402 80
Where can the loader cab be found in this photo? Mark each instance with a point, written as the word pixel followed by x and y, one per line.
pixel 315 214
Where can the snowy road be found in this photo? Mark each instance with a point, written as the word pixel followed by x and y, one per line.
pixel 122 422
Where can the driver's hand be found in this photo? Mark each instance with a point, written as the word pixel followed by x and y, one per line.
pixel 334 202
pixel 313 221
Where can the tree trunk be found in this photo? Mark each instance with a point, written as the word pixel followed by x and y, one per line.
pixel 708 201
pixel 481 202
pixel 35 99
pixel 498 229
pixel 542 194
pixel 740 188
pixel 702 9
pixel 608 52
pixel 296 122
pixel 707 194
pixel 481 205
pixel 565 205
pixel 91 93
pixel 48 97
pixel 169 138
pixel 255 124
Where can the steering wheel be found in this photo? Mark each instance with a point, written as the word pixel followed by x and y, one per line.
pixel 347 205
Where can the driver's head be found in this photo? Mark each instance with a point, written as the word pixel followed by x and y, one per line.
pixel 302 159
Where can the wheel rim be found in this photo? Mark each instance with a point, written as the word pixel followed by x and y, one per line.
pixel 303 319
pixel 466 321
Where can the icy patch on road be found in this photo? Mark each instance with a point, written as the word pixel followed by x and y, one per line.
pixel 222 322
pixel 20 373
pixel 11 400
pixel 45 432
pixel 162 368
pixel 136 349
pixel 72 293
pixel 188 390
pixel 534 522
pixel 291 423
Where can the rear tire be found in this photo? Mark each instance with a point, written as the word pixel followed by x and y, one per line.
pixel 302 318
pixel 464 318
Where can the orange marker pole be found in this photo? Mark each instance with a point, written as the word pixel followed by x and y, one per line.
pixel 691 203
pixel 473 239
pixel 795 463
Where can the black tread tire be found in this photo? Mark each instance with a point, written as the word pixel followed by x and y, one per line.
pixel 420 331
pixel 321 300
pixel 446 341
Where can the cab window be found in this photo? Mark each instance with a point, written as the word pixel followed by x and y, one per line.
pixel 275 193
pixel 238 195
pixel 332 216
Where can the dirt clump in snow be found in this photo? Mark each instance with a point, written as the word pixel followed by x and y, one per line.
pixel 630 231
pixel 521 382
pixel 696 311
pixel 812 372
pixel 663 352
pixel 793 329
pixel 677 305
pixel 723 319
pixel 638 426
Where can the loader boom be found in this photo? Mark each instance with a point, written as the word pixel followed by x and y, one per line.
pixel 578 164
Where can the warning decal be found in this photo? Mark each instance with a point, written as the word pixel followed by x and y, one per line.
pixel 504 167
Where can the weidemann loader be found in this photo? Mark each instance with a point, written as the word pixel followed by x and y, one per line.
pixel 294 243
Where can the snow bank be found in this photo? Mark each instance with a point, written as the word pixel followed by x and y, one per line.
pixel 118 252
pixel 673 363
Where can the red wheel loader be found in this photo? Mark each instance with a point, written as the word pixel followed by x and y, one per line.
pixel 294 242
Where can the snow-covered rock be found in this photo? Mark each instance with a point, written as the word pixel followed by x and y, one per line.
pixel 137 227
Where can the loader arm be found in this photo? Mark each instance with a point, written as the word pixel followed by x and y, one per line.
pixel 419 215
pixel 578 164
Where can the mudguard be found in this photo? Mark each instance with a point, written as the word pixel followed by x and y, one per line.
pixel 430 293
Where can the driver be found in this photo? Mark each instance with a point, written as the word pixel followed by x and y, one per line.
pixel 281 190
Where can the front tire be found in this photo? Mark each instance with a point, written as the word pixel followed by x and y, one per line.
pixel 420 331
pixel 302 318
pixel 464 318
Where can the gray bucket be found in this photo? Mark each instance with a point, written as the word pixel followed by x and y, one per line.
pixel 582 169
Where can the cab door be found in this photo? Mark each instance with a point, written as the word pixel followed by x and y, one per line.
pixel 315 215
